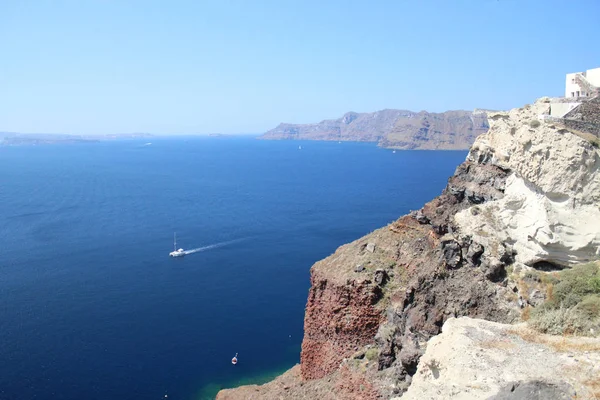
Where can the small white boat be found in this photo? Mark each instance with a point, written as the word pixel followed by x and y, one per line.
pixel 299 147
pixel 176 252
pixel 234 359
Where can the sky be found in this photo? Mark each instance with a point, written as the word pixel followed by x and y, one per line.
pixel 224 66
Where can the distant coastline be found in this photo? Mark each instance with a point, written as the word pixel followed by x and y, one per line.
pixel 393 129
pixel 21 139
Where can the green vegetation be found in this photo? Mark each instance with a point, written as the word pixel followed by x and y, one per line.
pixel 372 354
pixel 573 303
pixel 534 123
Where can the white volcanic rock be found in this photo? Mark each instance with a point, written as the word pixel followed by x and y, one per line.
pixel 551 208
pixel 477 359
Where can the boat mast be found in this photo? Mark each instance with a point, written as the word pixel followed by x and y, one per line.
pixel 175 241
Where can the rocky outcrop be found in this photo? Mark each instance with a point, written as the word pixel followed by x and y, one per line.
pixel 527 195
pixel 398 129
pixel 550 209
pixel 344 383
pixel 340 318
pixel 477 359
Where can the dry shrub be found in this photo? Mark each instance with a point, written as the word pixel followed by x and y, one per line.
pixel 593 385
pixel 497 344
pixel 573 303
pixel 561 321
pixel 558 343
pixel 526 313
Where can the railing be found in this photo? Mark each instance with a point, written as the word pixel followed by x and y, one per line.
pixel 587 87
pixel 549 118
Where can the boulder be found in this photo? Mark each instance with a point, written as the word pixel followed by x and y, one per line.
pixel 474 359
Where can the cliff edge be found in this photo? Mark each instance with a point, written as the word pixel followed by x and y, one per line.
pixel 475 359
pixel 523 204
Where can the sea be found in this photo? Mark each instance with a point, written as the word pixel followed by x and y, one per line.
pixel 93 307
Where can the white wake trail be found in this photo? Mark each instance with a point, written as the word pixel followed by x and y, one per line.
pixel 212 246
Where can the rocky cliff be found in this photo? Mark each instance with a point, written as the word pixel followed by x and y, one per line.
pixel 525 198
pixel 398 129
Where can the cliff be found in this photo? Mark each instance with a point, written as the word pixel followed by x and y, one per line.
pixel 398 129
pixel 524 202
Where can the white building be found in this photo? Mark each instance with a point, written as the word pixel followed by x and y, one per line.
pixel 583 84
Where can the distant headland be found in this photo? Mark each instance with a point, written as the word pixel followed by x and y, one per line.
pixel 394 129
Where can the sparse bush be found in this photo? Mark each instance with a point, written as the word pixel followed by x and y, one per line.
pixel 372 354
pixel 534 123
pixel 590 306
pixel 560 321
pixel 573 303
pixel 575 284
pixel 510 269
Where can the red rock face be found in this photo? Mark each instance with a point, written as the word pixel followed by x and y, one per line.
pixel 354 386
pixel 338 320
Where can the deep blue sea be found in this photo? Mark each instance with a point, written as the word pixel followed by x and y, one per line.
pixel 92 306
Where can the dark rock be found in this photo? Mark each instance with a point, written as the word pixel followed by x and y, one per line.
pixel 507 254
pixel 457 192
pixel 535 390
pixel 385 342
pixel 451 253
pixel 494 270
pixel 547 266
pixel 475 198
pixel 410 354
pixel 474 254
pixel 421 218
pixel 381 277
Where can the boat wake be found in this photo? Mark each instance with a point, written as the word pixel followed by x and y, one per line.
pixel 212 246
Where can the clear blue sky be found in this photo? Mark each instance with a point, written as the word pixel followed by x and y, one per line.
pixel 195 66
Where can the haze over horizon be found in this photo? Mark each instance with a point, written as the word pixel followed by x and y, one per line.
pixel 188 67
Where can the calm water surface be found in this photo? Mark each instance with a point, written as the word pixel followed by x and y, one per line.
pixel 92 307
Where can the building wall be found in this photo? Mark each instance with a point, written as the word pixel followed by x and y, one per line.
pixel 560 109
pixel 571 88
pixel 593 76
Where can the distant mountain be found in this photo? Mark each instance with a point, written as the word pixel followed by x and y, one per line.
pixel 396 129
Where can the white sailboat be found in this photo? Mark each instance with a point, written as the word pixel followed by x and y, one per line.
pixel 176 252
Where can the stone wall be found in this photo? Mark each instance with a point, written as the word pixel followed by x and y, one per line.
pixel 585 117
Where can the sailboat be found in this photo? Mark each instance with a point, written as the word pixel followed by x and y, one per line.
pixel 234 359
pixel 176 252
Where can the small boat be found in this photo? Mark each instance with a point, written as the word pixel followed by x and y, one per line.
pixel 299 147
pixel 394 151
pixel 234 359
pixel 176 252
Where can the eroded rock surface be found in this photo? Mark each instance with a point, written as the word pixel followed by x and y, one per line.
pixel 473 359
pixel 550 210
